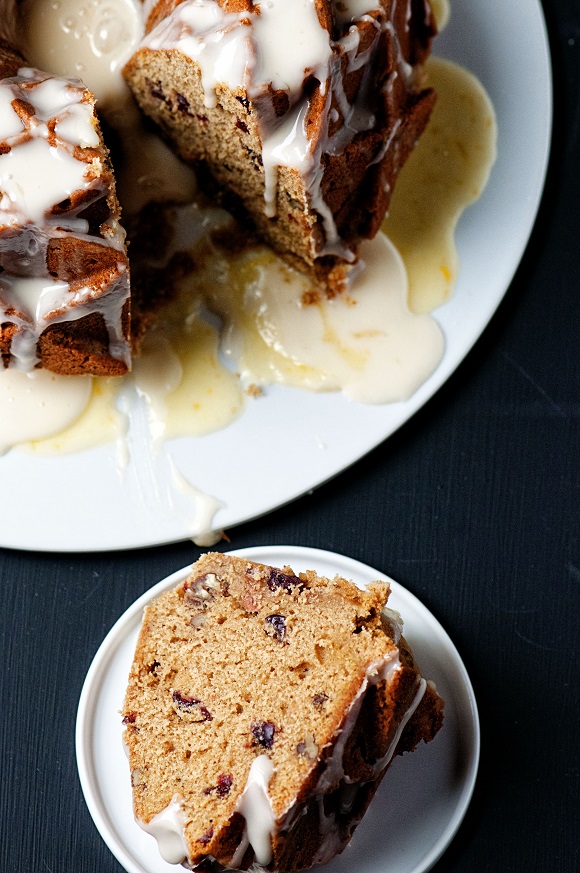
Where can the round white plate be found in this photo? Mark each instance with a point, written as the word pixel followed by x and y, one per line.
pixel 432 786
pixel 291 441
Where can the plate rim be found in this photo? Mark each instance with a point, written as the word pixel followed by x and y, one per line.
pixel 88 699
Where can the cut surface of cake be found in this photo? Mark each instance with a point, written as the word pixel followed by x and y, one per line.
pixel 64 277
pixel 302 111
pixel 263 709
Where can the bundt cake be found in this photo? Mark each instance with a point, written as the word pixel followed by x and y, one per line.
pixel 297 113
pixel 64 278
pixel 262 711
pixel 302 112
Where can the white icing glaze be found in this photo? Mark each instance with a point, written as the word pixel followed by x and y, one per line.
pixel 45 305
pixel 10 123
pixel 35 297
pixel 392 619
pixel 202 526
pixel 286 146
pixel 285 41
pixel 35 176
pixel 385 760
pixel 45 164
pixel 351 10
pixel 78 127
pixel 168 828
pixel 216 40
pixel 290 44
pixel 144 463
pixel 256 807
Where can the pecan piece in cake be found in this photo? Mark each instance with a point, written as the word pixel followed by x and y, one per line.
pixel 200 592
pixel 308 749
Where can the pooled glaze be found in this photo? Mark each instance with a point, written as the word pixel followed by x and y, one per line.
pixel 88 38
pixel 39 405
pixel 447 171
pixel 359 343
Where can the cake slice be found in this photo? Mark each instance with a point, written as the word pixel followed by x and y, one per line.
pixel 262 711
pixel 301 112
pixel 64 277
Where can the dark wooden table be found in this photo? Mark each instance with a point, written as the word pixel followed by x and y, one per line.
pixel 474 506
